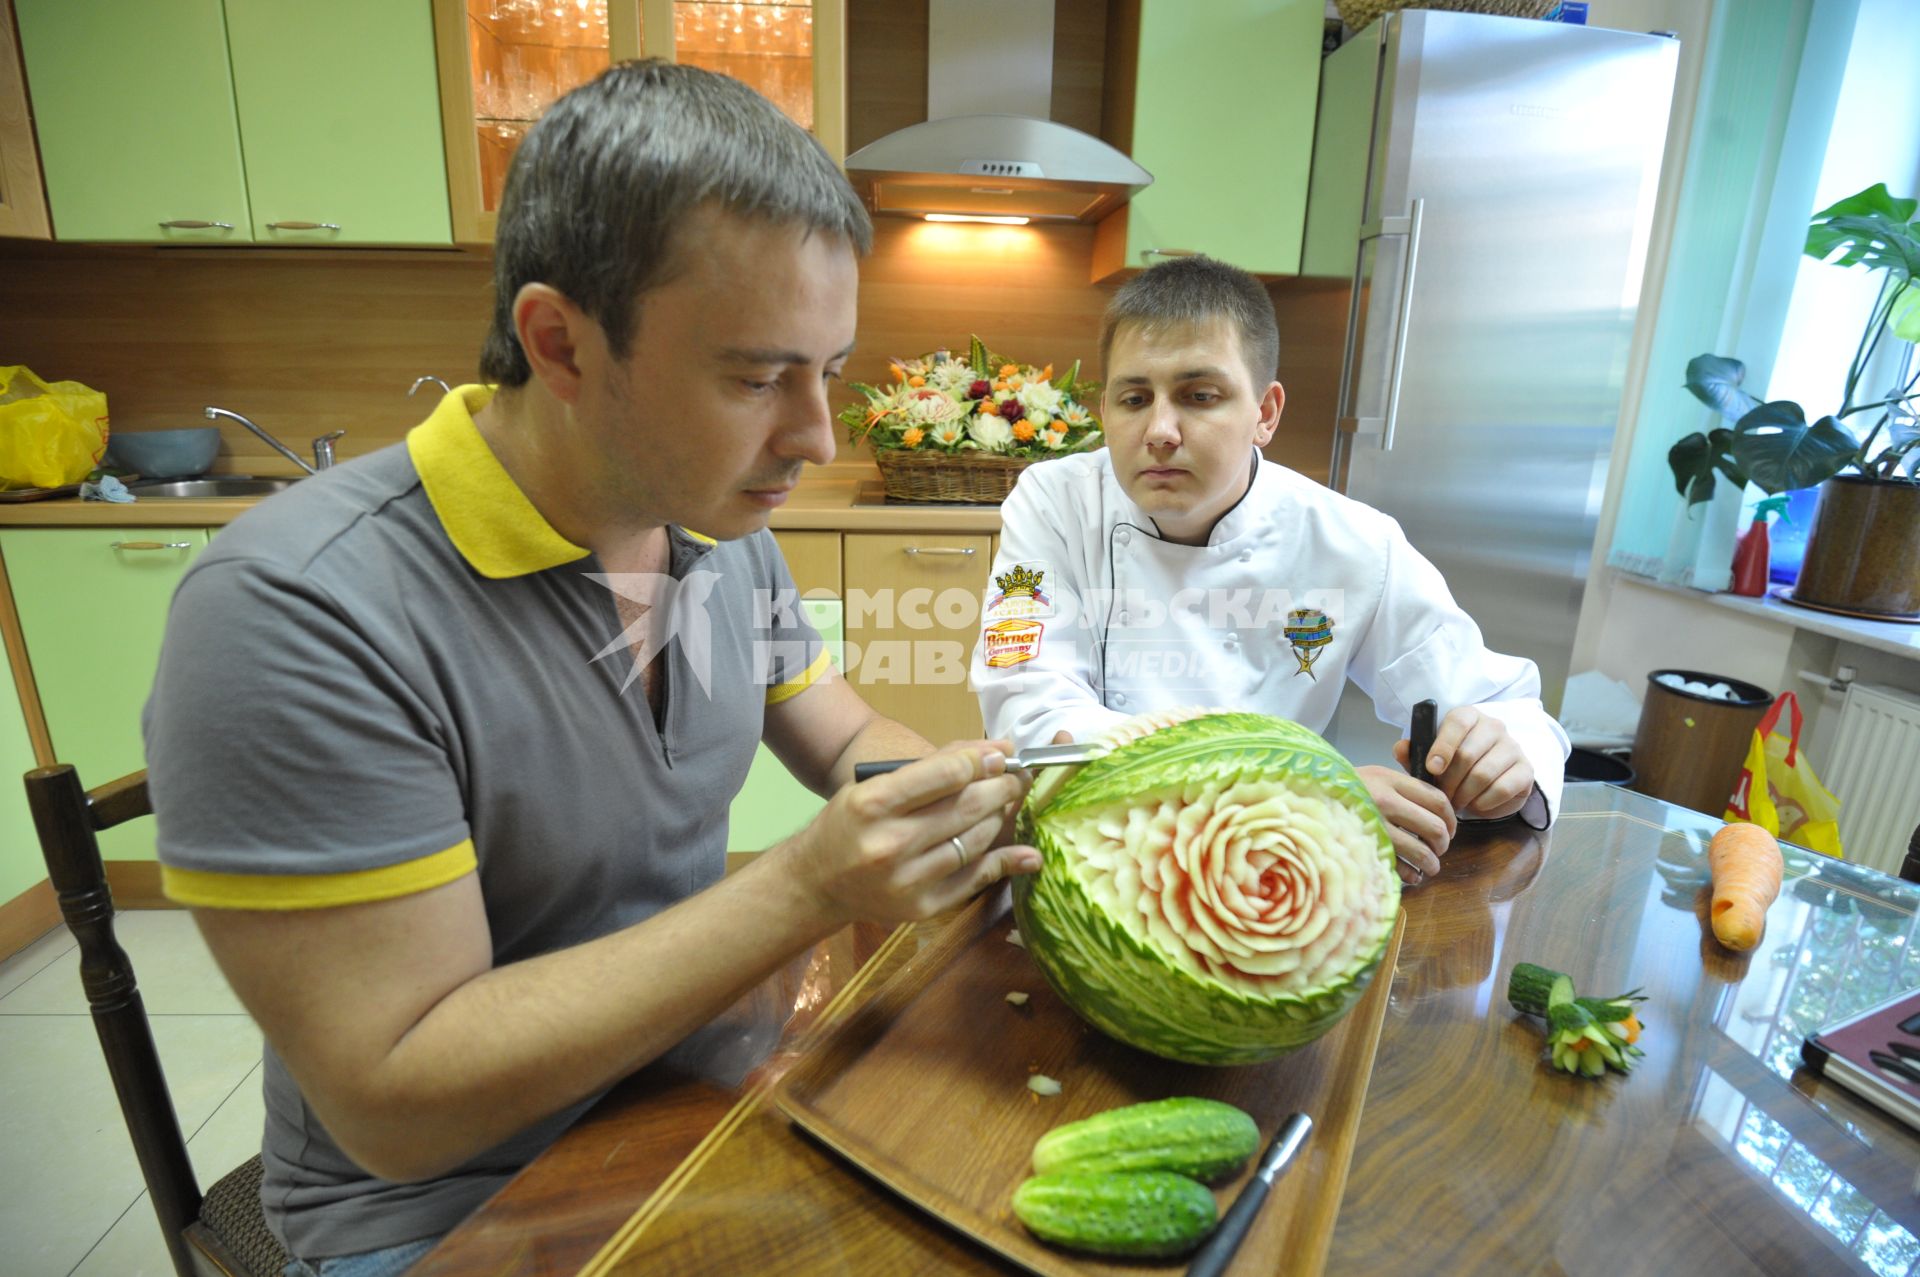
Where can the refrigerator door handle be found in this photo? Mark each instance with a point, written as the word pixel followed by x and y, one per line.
pixel 1410 227
pixel 1381 427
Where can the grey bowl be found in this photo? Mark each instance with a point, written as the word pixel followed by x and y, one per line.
pixel 165 454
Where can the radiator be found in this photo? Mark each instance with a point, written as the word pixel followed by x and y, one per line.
pixel 1875 773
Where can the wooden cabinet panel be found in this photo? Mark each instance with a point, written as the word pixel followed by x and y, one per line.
pixel 1230 164
pixel 93 606
pixel 133 105
pixel 912 616
pixel 23 201
pixel 340 121
pixel 814 560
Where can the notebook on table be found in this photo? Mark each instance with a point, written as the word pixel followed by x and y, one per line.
pixel 1875 1054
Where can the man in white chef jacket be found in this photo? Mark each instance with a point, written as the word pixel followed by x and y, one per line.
pixel 1178 567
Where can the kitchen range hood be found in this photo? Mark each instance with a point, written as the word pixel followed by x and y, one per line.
pixel 987 152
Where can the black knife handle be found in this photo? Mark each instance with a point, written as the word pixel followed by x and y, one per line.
pixel 867 771
pixel 1212 1259
pixel 1420 740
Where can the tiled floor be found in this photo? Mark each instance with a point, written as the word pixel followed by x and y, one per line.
pixel 71 1198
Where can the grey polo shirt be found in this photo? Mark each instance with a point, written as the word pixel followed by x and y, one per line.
pixel 413 651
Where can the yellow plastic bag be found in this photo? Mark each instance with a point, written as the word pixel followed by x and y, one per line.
pixel 1778 790
pixel 51 433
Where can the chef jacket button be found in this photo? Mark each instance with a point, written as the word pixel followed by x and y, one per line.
pixel 1123 618
pixel 1119 698
pixel 1246 556
pixel 1123 536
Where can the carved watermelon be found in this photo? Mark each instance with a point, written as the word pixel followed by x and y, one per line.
pixel 1217 889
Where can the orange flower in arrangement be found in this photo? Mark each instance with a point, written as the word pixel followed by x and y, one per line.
pixel 916 381
pixel 1009 370
pixel 912 438
pixel 1023 430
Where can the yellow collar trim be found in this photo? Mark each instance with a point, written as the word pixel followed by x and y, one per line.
pixel 486 515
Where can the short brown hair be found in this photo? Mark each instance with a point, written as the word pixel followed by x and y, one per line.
pixel 1194 290
pixel 601 188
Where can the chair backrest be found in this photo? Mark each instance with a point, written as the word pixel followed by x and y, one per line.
pixel 1910 867
pixel 68 817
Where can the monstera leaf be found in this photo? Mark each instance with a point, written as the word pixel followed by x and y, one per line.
pixel 1780 452
pixel 1871 229
pixel 1715 381
pixel 1696 457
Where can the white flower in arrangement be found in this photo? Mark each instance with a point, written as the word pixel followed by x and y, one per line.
pixel 948 433
pixel 953 375
pixel 925 406
pixel 1075 415
pixel 1040 397
pixel 1001 396
pixel 992 433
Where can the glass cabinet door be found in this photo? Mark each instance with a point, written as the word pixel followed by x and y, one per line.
pixel 503 62
pixel 791 51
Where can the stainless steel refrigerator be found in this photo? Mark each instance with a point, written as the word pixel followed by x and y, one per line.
pixel 1486 185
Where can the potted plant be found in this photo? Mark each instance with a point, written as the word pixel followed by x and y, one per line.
pixel 952 429
pixel 1863 551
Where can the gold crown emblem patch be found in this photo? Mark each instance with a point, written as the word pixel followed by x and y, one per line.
pixel 1020 580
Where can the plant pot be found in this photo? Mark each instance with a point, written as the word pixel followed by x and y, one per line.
pixel 1863 553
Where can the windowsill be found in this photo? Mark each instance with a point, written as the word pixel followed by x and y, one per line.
pixel 1882 636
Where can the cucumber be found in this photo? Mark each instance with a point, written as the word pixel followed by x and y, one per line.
pixel 1203 1139
pixel 1535 989
pixel 1130 1214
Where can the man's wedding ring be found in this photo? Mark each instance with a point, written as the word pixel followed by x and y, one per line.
pixel 961 849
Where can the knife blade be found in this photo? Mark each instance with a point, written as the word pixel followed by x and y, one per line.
pixel 1025 759
pixel 1213 1258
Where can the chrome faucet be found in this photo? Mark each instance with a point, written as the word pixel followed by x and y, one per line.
pixel 322 447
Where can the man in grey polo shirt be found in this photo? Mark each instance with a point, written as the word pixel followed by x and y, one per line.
pixel 463 861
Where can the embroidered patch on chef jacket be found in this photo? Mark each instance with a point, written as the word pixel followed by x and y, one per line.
pixel 1019 593
pixel 1309 630
pixel 1011 642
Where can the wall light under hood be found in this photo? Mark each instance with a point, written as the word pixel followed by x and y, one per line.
pixel 987 149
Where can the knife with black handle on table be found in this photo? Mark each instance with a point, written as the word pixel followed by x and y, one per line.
pixel 1218 1252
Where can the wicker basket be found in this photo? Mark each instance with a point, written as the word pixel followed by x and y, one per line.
pixel 972 478
pixel 1358 13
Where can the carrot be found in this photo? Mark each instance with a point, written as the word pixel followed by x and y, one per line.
pixel 1746 866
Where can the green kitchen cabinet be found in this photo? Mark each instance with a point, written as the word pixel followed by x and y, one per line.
pixel 773 805
pixel 340 121
pixel 238 121
pixel 1222 115
pixel 20 864
pixel 93 606
pixel 133 106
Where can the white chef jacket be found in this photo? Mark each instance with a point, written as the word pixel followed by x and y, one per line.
pixel 1091 617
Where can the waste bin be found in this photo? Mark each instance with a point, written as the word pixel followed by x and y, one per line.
pixel 1590 765
pixel 1689 748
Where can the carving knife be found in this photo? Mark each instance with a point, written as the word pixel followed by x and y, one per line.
pixel 1026 759
pixel 1213 1258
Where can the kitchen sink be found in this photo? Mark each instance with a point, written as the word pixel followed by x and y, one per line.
pixel 232 485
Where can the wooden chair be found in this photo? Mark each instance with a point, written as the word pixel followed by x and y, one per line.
pixel 1910 867
pixel 223 1233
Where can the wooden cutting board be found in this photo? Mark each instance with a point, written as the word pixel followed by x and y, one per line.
pixel 924 1087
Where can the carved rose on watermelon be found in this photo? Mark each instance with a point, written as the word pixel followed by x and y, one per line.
pixel 1217 889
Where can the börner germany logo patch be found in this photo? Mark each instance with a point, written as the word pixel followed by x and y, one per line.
pixel 1020 594
pixel 1011 642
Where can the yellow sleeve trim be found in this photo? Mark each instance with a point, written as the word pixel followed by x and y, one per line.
pixel 204 889
pixel 801 682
